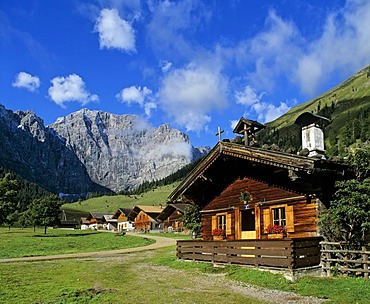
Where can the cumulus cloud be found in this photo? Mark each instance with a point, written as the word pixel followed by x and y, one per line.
pixel 165 66
pixel 343 46
pixel 138 95
pixel 176 149
pixel 253 102
pixel 268 112
pixel 115 32
pixel 70 88
pixel 280 50
pixel 248 96
pixel 26 81
pixel 190 94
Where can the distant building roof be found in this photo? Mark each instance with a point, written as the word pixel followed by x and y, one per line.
pixel 169 209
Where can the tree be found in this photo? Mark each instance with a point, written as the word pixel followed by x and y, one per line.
pixel 8 199
pixel 44 212
pixel 348 217
pixel 192 219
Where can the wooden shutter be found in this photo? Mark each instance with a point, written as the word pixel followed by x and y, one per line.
pixel 228 223
pixel 289 218
pixel 266 218
pixel 214 222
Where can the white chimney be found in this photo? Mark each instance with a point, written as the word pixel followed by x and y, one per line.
pixel 312 133
pixel 313 140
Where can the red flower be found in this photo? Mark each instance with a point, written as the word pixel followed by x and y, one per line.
pixel 276 229
pixel 219 232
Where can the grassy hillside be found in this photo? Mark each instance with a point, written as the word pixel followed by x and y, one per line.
pixel 345 104
pixel 112 203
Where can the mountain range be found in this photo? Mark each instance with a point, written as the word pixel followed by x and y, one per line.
pixel 91 151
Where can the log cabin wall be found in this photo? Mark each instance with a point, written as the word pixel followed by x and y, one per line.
pixel 142 221
pixel 301 213
pixel 122 218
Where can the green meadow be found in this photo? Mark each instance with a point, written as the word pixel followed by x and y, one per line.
pixel 110 203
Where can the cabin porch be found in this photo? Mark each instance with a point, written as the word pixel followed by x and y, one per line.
pixel 286 253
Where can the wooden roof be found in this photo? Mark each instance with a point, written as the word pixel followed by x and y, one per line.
pixel 253 125
pixel 308 118
pixel 169 209
pixel 152 211
pixel 119 211
pixel 228 161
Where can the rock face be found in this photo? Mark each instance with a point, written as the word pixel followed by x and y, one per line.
pixel 38 154
pixel 121 152
pixel 89 151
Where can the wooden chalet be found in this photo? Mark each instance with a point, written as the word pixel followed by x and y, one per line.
pixel 145 218
pixel 249 193
pixel 122 221
pixel 171 217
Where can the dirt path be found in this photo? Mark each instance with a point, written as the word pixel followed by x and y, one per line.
pixel 198 282
pixel 160 242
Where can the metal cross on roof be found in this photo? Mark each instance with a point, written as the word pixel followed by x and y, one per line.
pixel 219 133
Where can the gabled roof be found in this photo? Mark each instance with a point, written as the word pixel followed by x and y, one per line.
pixel 252 124
pixel 227 161
pixel 152 211
pixel 119 211
pixel 95 215
pixel 169 209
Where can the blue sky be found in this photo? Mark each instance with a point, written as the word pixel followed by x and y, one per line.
pixel 193 64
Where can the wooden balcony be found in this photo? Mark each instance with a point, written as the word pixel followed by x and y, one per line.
pixel 274 253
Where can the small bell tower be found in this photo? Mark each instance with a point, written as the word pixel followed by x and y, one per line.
pixel 248 128
pixel 312 133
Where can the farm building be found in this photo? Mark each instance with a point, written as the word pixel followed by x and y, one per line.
pixel 249 193
pixel 145 218
pixel 121 217
pixel 171 217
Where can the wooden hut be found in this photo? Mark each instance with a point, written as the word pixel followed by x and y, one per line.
pixel 250 193
pixel 145 218
pixel 171 217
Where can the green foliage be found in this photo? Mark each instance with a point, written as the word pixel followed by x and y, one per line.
pixel 348 217
pixel 26 192
pixel 8 199
pixel 44 212
pixel 192 218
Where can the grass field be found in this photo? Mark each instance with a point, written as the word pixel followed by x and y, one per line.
pixel 112 203
pixel 156 276
pixel 24 242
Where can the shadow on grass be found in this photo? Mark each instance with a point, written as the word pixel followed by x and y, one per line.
pixel 64 235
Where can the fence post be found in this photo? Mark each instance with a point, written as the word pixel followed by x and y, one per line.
pixel 365 258
pixel 328 257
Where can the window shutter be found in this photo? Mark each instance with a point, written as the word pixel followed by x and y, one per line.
pixel 266 218
pixel 289 218
pixel 228 224
pixel 214 222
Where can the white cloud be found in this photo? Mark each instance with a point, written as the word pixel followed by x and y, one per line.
pixel 134 94
pixel 253 102
pixel 165 66
pixel 248 96
pixel 114 32
pixel 190 94
pixel 139 95
pixel 343 47
pixel 26 81
pixel 70 88
pixel 281 51
pixel 268 112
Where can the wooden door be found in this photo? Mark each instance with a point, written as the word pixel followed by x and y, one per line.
pixel 248 224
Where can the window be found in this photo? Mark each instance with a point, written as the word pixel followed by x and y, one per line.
pixel 221 222
pixel 279 216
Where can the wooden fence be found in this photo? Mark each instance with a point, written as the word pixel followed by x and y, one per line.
pixel 276 253
pixel 339 259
